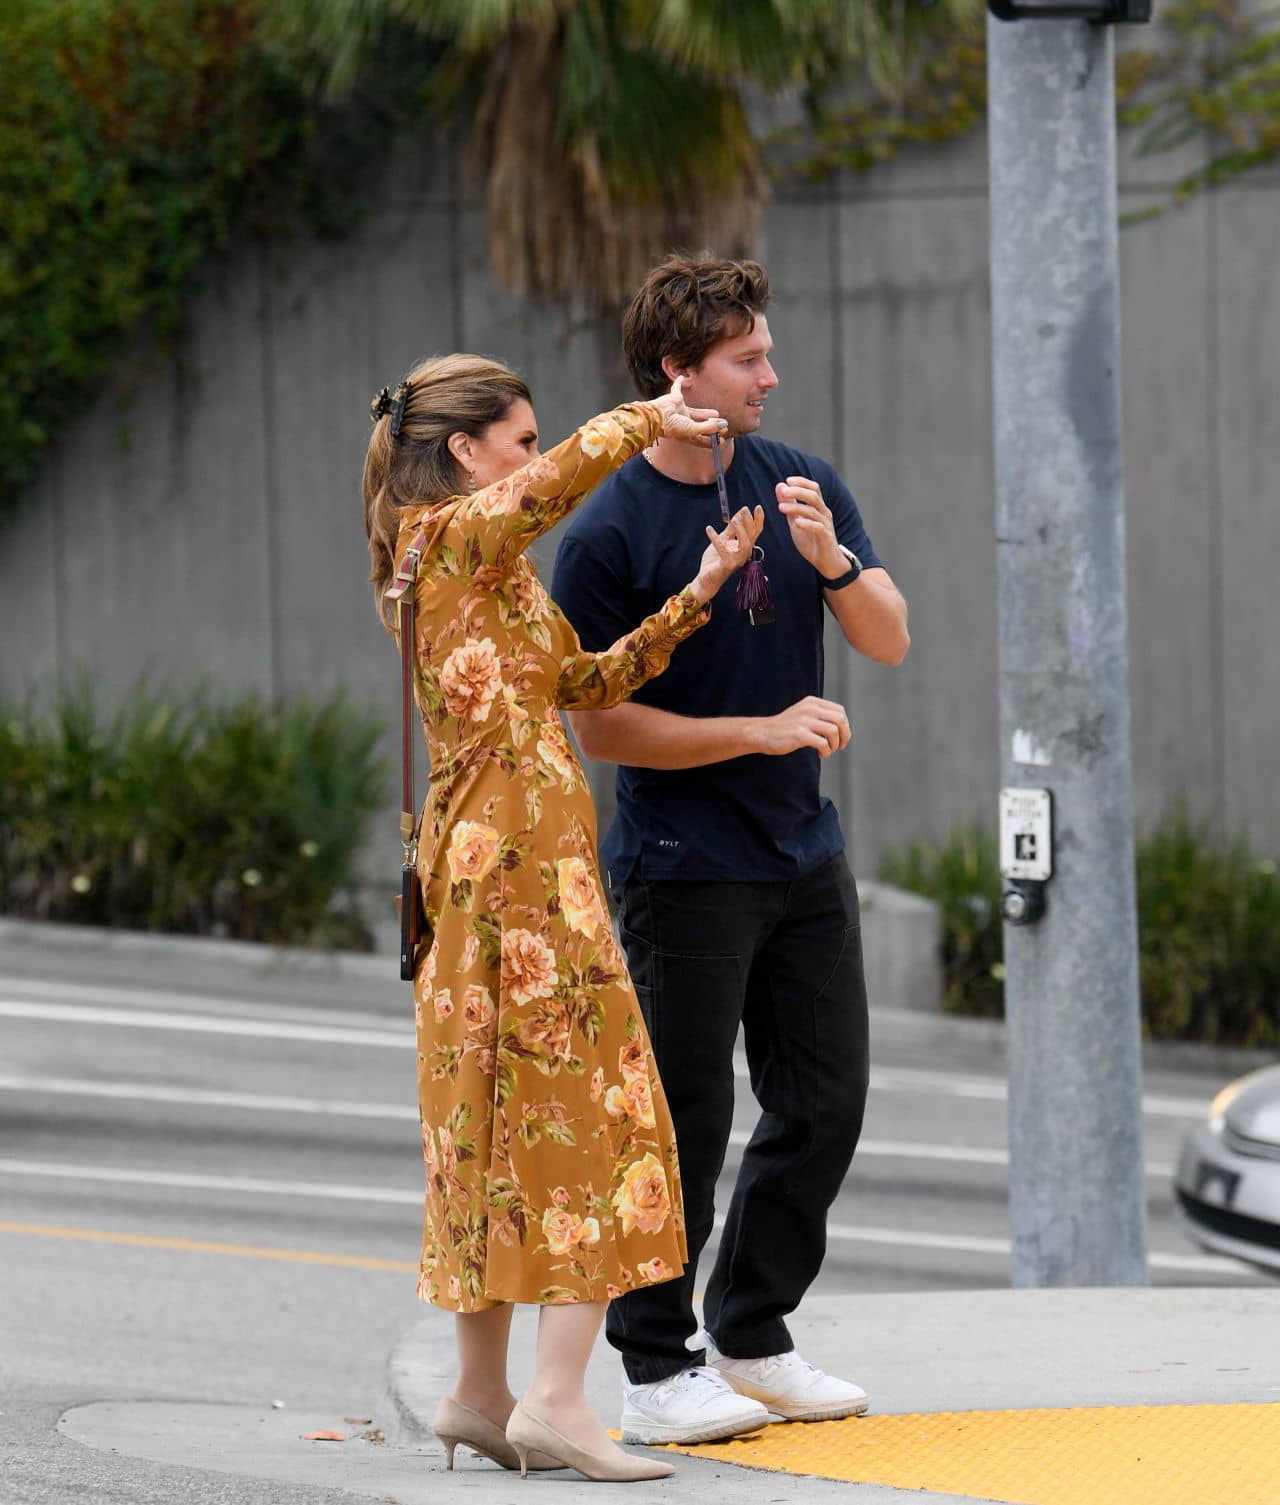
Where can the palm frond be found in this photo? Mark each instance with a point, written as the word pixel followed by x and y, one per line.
pixel 608 132
pixel 594 172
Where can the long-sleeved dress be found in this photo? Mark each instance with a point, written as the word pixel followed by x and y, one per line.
pixel 550 1158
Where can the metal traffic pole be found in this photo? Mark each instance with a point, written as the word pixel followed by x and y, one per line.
pixel 1077 1194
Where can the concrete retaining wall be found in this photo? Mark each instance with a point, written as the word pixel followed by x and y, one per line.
pixel 205 523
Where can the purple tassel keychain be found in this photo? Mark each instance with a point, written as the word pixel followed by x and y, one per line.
pixel 753 584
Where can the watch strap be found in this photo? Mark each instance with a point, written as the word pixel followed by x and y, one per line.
pixel 849 576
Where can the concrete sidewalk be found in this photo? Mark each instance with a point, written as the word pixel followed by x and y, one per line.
pixel 1197 1373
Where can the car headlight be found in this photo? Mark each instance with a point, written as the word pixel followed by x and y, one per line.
pixel 1218 1107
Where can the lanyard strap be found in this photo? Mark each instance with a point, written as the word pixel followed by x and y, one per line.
pixel 717 460
pixel 753 594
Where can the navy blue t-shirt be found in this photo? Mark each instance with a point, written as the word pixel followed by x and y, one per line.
pixel 634 543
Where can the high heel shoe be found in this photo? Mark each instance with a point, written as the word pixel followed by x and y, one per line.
pixel 525 1432
pixel 455 1423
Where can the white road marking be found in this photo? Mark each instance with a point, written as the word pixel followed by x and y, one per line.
pixel 995 1089
pixel 195 1181
pixel 955 1154
pixel 200 1097
pixel 256 1102
pixel 1159 1106
pixel 915 1079
pixel 961 1243
pixel 326 1191
pixel 332 1191
pixel 230 1005
pixel 262 1029
pixel 886 1079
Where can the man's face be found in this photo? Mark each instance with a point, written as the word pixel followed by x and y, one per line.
pixel 735 378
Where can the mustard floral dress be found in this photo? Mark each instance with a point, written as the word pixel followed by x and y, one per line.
pixel 550 1158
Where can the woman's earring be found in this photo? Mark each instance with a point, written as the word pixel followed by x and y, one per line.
pixel 471 480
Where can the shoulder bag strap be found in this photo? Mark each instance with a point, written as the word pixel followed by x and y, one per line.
pixel 401 591
pixel 412 923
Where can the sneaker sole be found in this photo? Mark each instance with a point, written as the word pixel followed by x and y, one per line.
pixel 799 1413
pixel 828 1413
pixel 654 1433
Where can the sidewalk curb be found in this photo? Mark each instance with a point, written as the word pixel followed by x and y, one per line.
pixel 401 1424
pixel 406 1421
pixel 928 1029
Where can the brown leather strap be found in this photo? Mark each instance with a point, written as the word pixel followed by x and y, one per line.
pixel 408 809
pixel 401 590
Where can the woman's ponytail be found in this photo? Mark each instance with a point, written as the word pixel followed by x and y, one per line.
pixel 408 462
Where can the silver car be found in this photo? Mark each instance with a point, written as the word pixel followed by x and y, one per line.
pixel 1228 1177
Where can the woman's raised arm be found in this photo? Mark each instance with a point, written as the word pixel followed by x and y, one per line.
pixel 494 525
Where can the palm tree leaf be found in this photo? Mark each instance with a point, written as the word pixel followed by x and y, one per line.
pixel 587 187
pixel 608 132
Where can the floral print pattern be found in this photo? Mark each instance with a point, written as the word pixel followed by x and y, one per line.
pixel 550 1159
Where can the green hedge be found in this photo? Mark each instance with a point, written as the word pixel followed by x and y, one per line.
pixel 176 813
pixel 1208 929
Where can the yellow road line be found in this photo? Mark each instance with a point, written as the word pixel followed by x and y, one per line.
pixel 208 1246
pixel 1104 1455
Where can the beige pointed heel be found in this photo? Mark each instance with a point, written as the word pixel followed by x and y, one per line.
pixel 522 1453
pixel 525 1431
pixel 455 1423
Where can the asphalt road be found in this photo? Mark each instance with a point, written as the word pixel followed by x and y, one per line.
pixel 210 1189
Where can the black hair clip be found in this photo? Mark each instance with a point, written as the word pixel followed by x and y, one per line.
pixel 397 408
pixel 385 401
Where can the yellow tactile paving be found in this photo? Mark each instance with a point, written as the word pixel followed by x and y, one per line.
pixel 1109 1455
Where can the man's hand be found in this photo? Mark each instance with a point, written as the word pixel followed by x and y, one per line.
pixel 811 722
pixel 812 528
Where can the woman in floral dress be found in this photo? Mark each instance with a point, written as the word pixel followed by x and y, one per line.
pixel 550 1159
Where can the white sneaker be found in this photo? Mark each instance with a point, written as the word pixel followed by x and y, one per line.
pixel 695 1405
pixel 788 1385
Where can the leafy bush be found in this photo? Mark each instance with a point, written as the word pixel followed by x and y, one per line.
pixel 177 814
pixel 1208 930
pixel 1209 923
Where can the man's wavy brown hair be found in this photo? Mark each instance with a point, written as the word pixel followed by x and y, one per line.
pixel 686 305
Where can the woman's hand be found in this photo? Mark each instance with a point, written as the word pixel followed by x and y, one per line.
pixel 727 551
pixel 693 425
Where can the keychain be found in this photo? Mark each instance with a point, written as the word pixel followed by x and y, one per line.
pixel 753 584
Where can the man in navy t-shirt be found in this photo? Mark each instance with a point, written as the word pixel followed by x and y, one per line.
pixel 737 905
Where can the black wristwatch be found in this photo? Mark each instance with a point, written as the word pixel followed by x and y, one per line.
pixel 849 576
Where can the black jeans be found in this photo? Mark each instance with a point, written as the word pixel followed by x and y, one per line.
pixel 785 961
